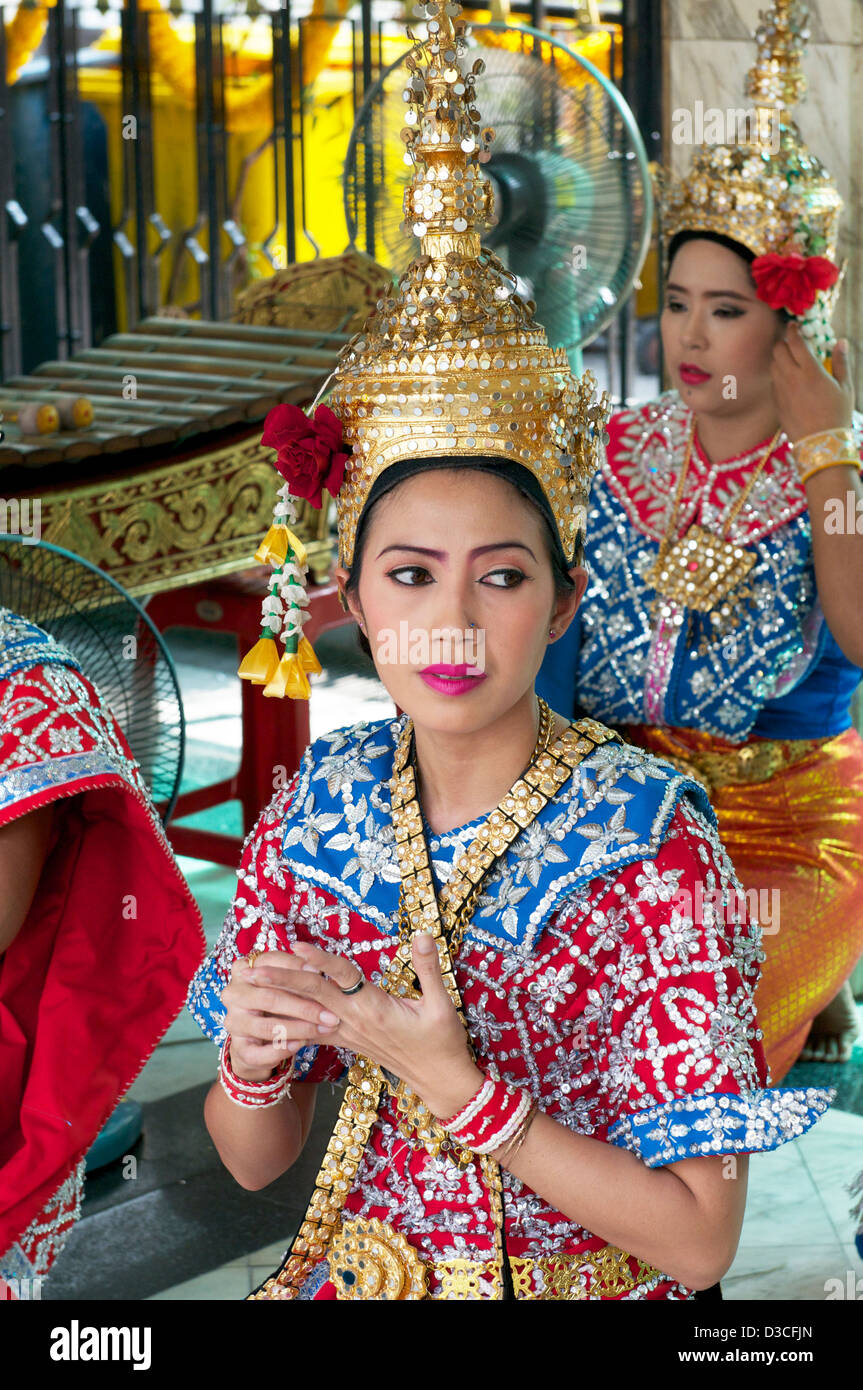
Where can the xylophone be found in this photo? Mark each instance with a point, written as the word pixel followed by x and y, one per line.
pixel 169 483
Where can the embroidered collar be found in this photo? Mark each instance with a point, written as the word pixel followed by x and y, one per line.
pixel 643 462
pixel 338 832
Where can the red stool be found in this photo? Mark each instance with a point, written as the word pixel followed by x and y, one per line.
pixel 275 732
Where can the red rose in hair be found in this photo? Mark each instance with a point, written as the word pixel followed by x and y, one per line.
pixel 792 282
pixel 310 453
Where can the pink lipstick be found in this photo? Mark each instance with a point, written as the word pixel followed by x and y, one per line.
pixel 452 680
pixel 692 375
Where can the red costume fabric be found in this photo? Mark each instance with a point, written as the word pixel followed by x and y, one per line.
pixel 100 967
pixel 624 1006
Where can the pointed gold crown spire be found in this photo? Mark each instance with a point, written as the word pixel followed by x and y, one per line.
pixel 447 198
pixel 762 187
pixel 776 78
pixel 452 363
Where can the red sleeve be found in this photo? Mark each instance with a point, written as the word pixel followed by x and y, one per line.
pixel 678 1001
pixel 56 735
pixel 678 1046
pixel 262 917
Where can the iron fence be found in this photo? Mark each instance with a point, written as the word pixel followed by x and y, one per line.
pixel 97 146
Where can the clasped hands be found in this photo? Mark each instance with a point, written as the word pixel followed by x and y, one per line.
pixel 293 999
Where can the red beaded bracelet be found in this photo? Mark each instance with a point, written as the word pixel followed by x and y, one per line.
pixel 491 1118
pixel 253 1093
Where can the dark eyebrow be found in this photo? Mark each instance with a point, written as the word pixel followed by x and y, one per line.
pixel 712 294
pixel 441 554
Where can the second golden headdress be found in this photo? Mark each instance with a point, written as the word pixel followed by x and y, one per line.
pixel 763 188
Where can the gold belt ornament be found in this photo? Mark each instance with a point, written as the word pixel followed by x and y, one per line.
pixel 370 1260
pixel 556 1277
pixel 373 1255
pixel 754 762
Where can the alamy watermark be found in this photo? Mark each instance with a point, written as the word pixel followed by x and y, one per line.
pixel 851 1287
pixel 25 1289
pixel 442 646
pixel 21 516
pixel 720 905
pixel 844 516
pixel 736 125
pixel 85 1343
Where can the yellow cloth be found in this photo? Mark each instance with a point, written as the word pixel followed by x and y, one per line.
pixel 801 832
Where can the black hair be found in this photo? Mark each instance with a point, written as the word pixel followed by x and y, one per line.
pixel 563 583
pixel 681 238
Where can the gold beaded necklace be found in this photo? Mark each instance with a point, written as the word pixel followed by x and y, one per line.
pixel 700 569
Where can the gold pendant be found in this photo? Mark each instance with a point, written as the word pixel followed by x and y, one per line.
pixel 699 570
pixel 370 1260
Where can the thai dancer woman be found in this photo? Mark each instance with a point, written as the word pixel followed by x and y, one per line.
pixel 471 913
pixel 719 630
pixel 99 936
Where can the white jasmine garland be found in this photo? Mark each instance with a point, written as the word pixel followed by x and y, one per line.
pixel 293 626
pixel 293 593
pixel 285 510
pixel 293 572
pixel 815 325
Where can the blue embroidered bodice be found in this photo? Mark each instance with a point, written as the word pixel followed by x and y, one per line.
pixel 338 831
pixel 778 674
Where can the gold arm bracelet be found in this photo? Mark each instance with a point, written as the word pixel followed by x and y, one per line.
pixel 831 463
pixel 827 446
pixel 518 1138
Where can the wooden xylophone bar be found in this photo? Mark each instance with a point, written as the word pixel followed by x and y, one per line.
pixel 190 378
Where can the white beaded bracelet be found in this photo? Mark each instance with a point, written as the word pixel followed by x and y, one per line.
pixel 252 1093
pixel 473 1106
pixel 507 1131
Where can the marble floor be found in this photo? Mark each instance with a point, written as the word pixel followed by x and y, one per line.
pixel 160 1241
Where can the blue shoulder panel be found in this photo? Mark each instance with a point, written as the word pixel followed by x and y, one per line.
pixel 613 811
pixel 717 1122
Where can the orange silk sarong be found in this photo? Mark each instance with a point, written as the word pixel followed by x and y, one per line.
pixel 791 817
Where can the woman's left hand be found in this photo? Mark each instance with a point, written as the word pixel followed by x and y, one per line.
pixel 421 1040
pixel 808 399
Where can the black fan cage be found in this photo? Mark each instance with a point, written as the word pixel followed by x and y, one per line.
pixel 116 645
pixel 557 115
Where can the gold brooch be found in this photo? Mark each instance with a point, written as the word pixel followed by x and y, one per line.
pixel 370 1260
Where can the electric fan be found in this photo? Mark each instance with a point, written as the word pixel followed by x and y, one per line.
pixel 568 168
pixel 115 643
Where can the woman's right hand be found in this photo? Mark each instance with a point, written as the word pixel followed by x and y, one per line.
pixel 266 1025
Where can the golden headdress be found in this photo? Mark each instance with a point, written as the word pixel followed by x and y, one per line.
pixel 451 364
pixel 764 189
